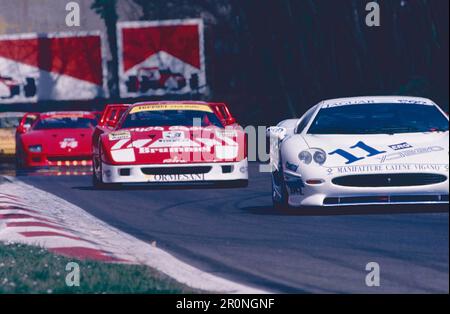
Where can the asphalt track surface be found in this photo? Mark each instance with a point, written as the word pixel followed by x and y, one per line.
pixel 235 233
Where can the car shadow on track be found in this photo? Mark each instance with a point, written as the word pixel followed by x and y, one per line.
pixel 347 211
pixel 154 187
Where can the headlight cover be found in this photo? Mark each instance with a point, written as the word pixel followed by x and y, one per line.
pixel 317 155
pixel 305 157
pixel 35 148
pixel 320 157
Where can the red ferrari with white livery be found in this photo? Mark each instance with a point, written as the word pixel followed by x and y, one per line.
pixel 55 139
pixel 169 142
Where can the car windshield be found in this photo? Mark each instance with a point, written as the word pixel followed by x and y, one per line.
pixel 171 118
pixel 65 123
pixel 386 118
pixel 9 122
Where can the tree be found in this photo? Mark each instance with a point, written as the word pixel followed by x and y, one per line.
pixel 107 10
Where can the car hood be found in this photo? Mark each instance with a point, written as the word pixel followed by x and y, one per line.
pixel 420 148
pixel 170 145
pixel 61 142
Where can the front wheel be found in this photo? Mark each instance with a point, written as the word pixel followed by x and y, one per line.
pixel 97 180
pixel 280 194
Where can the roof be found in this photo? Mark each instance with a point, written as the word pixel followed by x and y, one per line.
pixel 180 102
pixel 67 113
pixel 375 100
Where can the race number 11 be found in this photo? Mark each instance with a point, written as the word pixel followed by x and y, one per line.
pixel 352 158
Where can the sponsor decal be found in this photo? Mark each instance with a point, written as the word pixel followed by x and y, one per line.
pixel 174 160
pixel 173 150
pixel 360 146
pixel 176 177
pixel 291 166
pixel 162 107
pixel 173 142
pixel 147 129
pixel 226 133
pixel 69 143
pixel 414 102
pixel 409 153
pixel 348 103
pixel 387 168
pixel 173 135
pixel 400 146
pixel 120 135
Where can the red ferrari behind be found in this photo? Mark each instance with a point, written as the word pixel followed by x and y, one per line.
pixel 55 139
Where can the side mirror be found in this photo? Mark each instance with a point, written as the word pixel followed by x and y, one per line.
pixel 276 131
pixel 21 129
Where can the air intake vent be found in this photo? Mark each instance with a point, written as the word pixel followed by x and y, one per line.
pixel 176 170
pixel 387 180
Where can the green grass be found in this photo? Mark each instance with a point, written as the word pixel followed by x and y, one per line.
pixel 27 269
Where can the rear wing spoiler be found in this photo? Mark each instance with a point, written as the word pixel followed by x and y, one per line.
pixel 27 121
pixel 223 112
pixel 112 114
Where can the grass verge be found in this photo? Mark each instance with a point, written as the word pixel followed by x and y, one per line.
pixel 28 269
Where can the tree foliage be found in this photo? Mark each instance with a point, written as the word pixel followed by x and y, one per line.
pixel 273 59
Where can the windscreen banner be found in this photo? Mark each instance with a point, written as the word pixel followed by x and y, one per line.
pixel 57 66
pixel 161 58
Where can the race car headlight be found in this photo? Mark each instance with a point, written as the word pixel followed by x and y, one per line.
pixel 35 148
pixel 320 157
pixel 316 154
pixel 305 157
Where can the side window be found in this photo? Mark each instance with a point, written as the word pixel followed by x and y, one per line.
pixel 307 117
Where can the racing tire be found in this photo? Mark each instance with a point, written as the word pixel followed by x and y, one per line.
pixel 281 203
pixel 19 164
pixel 97 182
pixel 19 161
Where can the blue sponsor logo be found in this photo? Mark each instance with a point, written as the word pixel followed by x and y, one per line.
pixel 400 146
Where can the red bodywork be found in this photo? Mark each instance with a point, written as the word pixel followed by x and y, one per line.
pixel 154 145
pixel 59 147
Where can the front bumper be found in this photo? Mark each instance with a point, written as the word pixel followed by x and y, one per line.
pixel 33 160
pixel 328 194
pixel 160 174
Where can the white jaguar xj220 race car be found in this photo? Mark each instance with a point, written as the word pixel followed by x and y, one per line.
pixel 362 151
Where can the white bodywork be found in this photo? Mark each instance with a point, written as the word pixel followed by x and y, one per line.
pixel 400 156
pixel 239 171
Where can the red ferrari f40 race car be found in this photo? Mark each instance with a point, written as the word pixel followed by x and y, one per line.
pixel 169 143
pixel 55 139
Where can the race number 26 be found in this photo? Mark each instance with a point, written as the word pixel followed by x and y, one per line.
pixel 352 158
